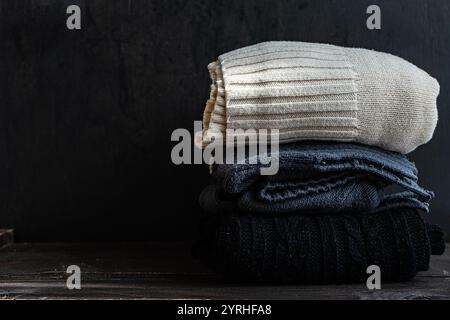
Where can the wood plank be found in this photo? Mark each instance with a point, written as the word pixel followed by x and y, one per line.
pixel 166 271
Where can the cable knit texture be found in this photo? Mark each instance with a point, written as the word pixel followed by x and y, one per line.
pixel 321 177
pixel 317 248
pixel 312 91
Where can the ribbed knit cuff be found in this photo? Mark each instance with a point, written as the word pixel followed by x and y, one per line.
pixel 437 241
pixel 303 90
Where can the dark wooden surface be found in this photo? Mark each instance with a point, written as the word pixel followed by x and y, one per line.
pixel 86 116
pixel 166 271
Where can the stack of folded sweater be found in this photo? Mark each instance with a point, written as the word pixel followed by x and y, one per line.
pixel 345 196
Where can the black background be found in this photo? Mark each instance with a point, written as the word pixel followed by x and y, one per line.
pixel 86 116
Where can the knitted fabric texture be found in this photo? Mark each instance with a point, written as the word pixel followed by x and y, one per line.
pixel 315 249
pixel 320 177
pixel 321 92
pixel 350 193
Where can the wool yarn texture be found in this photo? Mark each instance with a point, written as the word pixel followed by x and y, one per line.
pixel 311 91
pixel 315 249
pixel 320 177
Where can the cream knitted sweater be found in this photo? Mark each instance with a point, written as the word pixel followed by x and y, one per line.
pixel 322 92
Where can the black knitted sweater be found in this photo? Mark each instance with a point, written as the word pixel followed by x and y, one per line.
pixel 314 249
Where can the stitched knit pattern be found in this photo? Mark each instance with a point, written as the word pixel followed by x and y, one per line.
pixel 314 91
pixel 317 248
pixel 326 177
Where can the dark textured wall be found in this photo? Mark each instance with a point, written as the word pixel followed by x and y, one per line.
pixel 86 116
